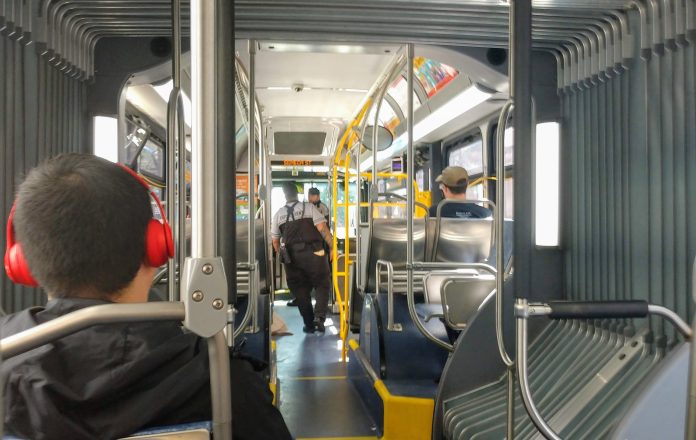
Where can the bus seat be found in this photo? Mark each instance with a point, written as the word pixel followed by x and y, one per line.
pixel 242 232
pixel 660 409
pixel 584 376
pixel 462 240
pixel 388 242
pixel 508 226
pixel 462 297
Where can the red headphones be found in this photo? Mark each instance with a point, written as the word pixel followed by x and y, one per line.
pixel 159 245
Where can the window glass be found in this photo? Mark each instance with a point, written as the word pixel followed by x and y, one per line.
pixel 420 178
pixel 475 192
pixel 432 75
pixel 469 156
pixel 151 160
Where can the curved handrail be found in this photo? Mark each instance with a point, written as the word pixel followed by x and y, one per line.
pixel 73 322
pixel 691 404
pixel 499 220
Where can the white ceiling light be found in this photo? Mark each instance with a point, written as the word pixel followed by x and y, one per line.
pixel 452 109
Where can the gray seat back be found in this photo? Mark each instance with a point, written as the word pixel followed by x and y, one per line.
pixel 243 254
pixel 388 242
pixel 463 296
pixel 462 240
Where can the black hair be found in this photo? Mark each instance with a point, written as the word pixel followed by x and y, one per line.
pixel 290 190
pixel 460 188
pixel 82 221
pixel 313 191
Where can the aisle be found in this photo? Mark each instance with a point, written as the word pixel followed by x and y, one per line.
pixel 316 398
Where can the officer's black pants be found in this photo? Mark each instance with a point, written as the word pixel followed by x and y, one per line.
pixel 306 272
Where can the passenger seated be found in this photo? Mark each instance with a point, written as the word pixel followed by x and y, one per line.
pixel 453 183
pixel 82 222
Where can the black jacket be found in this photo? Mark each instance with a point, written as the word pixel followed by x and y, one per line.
pixel 110 381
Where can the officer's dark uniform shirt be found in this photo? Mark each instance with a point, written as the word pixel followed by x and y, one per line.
pixel 109 381
pixel 460 210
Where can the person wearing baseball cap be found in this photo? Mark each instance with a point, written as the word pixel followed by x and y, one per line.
pixel 453 183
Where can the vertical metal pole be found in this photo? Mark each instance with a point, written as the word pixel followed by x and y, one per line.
pixel 521 90
pixel 203 149
pixel 409 172
pixel 207 25
pixel 251 174
pixel 173 147
pixel 225 151
pixel 220 386
pixel 522 115
pixel 251 153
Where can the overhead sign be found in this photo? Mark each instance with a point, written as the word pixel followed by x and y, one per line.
pixel 297 162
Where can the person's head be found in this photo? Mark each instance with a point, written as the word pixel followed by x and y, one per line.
pixel 290 191
pixel 82 222
pixel 453 182
pixel 313 195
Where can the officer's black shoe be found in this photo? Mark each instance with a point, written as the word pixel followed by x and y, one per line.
pixel 319 324
pixel 292 303
pixel 308 329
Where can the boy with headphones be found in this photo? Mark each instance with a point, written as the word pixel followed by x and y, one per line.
pixel 82 228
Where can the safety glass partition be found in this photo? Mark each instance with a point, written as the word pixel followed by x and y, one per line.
pixel 509 184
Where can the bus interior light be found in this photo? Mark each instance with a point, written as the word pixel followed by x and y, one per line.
pixel 547 181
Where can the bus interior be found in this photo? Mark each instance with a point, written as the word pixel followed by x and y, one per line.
pixel 565 314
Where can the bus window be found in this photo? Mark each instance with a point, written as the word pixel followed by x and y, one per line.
pixel 469 156
pixel 475 192
pixel 151 160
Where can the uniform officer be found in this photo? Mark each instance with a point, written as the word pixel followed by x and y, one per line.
pixel 314 197
pixel 299 231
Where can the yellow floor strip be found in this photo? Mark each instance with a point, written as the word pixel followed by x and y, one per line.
pixel 337 438
pixel 316 378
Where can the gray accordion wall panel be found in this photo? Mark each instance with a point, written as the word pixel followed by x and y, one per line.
pixel 42 114
pixel 630 176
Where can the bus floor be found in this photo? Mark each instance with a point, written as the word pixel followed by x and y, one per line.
pixel 316 398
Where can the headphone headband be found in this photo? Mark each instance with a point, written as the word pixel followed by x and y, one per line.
pixel 158 242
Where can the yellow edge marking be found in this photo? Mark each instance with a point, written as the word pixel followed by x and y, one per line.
pixel 337 438
pixel 405 418
pixel 315 378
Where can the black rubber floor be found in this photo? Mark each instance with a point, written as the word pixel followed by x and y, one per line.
pixel 316 398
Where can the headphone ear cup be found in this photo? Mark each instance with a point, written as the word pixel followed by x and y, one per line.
pixel 17 268
pixel 158 243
